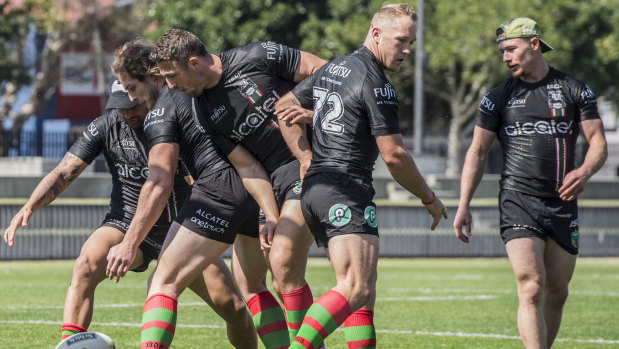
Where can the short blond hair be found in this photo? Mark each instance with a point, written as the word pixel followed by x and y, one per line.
pixel 392 11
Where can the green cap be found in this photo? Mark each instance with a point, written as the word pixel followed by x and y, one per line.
pixel 521 27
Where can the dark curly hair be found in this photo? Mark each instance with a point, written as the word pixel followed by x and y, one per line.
pixel 134 59
pixel 177 45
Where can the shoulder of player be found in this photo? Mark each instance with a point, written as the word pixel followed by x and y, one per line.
pixel 172 99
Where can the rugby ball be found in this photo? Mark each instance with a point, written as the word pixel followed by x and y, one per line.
pixel 87 340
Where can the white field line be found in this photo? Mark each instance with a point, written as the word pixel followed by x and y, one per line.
pixel 419 333
pixel 458 296
pixel 193 304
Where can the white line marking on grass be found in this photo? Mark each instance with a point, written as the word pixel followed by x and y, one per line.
pixel 439 298
pixel 199 304
pixel 421 333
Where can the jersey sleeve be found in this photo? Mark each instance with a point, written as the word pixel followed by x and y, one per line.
pixel 161 123
pixel 488 116
pixel 304 92
pixel 381 104
pixel 92 141
pixel 586 103
pixel 281 60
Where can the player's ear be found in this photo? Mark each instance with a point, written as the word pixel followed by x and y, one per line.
pixel 376 34
pixel 193 62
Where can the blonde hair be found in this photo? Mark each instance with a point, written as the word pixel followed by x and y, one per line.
pixel 389 12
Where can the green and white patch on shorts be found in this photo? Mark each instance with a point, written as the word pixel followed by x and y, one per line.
pixel 339 215
pixel 370 216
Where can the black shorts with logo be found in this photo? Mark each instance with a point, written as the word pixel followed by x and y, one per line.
pixel 150 247
pixel 338 204
pixel 286 184
pixel 524 215
pixel 219 208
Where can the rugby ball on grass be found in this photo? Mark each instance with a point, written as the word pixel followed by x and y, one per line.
pixel 87 340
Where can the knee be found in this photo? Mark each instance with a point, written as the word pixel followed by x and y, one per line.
pixel 531 291
pixel 230 308
pixel 360 294
pixel 84 267
pixel 556 296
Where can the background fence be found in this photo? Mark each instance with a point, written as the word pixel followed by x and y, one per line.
pixel 58 232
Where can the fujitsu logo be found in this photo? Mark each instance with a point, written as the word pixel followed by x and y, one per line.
pixel 388 92
pixel 539 127
pixel 338 70
pixel 218 113
pixel 487 103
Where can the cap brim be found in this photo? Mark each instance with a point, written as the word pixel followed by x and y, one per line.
pixel 545 46
pixel 119 102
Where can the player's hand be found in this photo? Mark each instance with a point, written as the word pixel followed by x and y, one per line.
pixel 436 210
pixel 266 235
pixel 19 220
pixel 119 258
pixel 573 184
pixel 295 115
pixel 463 218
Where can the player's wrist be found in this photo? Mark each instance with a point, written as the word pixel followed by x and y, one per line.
pixel 431 201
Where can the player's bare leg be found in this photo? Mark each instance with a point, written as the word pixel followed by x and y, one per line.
pixel 88 272
pixel 526 256
pixel 291 243
pixel 559 270
pixel 354 258
pixel 183 258
pixel 249 267
pixel 288 258
pixel 216 287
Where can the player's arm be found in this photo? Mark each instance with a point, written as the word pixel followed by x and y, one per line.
pixel 308 64
pixel 294 133
pixel 54 183
pixel 258 185
pixel 162 163
pixel 575 181
pixel 403 169
pixel 472 172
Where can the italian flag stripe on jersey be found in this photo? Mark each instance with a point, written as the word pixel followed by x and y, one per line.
pixel 560 151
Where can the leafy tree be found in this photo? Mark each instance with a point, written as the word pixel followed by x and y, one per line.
pixel 61 24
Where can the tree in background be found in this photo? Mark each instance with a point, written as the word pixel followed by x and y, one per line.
pixel 462 61
pixel 60 24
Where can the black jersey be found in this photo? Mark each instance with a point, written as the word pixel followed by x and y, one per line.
pixel 353 102
pixel 124 149
pixel 172 120
pixel 241 105
pixel 537 125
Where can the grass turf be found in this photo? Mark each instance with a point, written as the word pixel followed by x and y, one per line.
pixel 422 303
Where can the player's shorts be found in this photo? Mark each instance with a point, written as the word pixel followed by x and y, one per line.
pixel 150 247
pixel 219 208
pixel 336 204
pixel 286 184
pixel 524 215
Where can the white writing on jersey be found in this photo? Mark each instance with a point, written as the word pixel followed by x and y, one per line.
pixel 539 127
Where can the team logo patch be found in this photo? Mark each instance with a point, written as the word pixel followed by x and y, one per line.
pixel 370 216
pixel 248 88
pixel 339 215
pixel 575 238
pixel 298 185
pixel 556 99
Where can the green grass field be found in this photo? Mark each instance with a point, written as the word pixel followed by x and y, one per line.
pixel 422 303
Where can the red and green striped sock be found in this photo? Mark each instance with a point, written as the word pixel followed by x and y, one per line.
pixel 269 320
pixel 296 303
pixel 67 330
pixel 323 317
pixel 158 321
pixel 359 330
